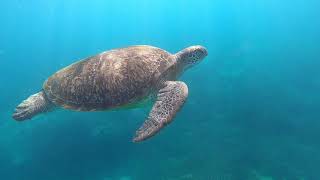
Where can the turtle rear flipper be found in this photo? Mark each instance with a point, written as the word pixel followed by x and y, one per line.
pixel 35 104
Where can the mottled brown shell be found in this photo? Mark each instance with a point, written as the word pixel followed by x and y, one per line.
pixel 109 80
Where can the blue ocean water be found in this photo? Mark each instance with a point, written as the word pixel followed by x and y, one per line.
pixel 253 106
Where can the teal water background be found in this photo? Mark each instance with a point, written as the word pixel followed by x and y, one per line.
pixel 253 107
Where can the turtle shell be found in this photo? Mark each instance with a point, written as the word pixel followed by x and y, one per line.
pixel 111 79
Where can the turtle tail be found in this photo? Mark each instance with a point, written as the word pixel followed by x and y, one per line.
pixel 35 104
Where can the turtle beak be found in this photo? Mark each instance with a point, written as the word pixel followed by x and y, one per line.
pixel 203 51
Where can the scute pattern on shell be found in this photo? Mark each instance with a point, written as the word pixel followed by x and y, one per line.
pixel 111 79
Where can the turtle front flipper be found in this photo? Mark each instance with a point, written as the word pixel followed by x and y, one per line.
pixel 35 104
pixel 169 101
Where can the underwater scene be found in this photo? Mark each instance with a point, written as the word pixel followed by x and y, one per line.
pixel 251 107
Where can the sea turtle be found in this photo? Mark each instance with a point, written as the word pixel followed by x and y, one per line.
pixel 119 78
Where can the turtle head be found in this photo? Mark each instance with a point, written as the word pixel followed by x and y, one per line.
pixel 191 56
